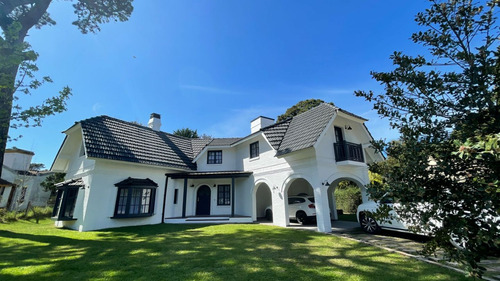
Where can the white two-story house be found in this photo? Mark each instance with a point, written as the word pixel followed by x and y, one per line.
pixel 122 174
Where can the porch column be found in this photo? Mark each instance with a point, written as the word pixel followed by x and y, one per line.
pixel 184 197
pixel 322 209
pixel 232 196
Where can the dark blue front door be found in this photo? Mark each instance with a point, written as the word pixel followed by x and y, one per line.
pixel 203 201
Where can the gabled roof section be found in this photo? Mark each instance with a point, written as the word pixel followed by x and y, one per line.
pixel 276 132
pixel 114 139
pixel 305 128
pixel 223 141
pixel 136 182
pixel 198 145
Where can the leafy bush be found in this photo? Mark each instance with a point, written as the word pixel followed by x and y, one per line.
pixel 348 199
pixel 36 213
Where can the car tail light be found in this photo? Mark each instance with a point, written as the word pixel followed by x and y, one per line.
pixel 311 206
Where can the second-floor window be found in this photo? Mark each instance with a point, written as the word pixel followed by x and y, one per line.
pixel 214 157
pixel 254 149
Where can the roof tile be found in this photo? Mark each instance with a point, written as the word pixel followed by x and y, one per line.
pixel 113 139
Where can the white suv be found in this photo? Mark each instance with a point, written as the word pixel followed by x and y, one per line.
pixel 300 208
pixel 370 225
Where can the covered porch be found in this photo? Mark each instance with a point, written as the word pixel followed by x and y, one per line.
pixel 206 197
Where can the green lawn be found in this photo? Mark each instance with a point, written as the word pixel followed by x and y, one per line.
pixel 30 251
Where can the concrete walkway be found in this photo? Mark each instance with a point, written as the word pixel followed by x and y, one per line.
pixel 400 242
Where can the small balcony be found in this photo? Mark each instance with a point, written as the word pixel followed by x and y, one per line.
pixel 348 151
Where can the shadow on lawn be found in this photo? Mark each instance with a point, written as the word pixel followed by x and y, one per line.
pixel 197 252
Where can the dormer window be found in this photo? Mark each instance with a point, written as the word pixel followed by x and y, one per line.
pixel 214 157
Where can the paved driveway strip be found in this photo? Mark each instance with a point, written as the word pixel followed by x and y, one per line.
pixel 404 243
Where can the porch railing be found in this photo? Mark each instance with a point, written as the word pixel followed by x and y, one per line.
pixel 348 151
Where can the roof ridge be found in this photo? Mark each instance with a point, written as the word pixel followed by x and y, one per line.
pixel 134 124
pixel 323 103
pixel 276 124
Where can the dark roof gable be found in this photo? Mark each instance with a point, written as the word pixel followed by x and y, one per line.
pixel 114 139
pixel 305 128
pixel 109 138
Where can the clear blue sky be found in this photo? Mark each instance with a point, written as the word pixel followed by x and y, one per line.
pixel 216 65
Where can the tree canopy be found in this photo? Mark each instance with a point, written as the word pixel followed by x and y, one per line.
pixel 301 106
pixel 445 104
pixel 17 58
pixel 186 132
pixel 49 184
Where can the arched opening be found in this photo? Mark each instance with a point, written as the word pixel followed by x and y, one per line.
pixel 300 201
pixel 344 196
pixel 263 203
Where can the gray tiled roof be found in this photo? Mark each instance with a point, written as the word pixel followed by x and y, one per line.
pixel 276 132
pixel 113 139
pixel 198 145
pixel 305 128
pixel 223 141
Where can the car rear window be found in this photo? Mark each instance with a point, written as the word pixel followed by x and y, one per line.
pixel 311 198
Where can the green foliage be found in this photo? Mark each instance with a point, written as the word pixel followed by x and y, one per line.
pixel 36 213
pixel 446 108
pixel 348 198
pixel 49 183
pixel 198 252
pixel 186 132
pixel 301 106
pixel 36 166
pixel 17 58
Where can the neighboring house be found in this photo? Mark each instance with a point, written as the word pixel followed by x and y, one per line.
pixel 121 174
pixel 25 184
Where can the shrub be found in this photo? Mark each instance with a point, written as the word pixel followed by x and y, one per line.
pixel 348 199
pixel 36 213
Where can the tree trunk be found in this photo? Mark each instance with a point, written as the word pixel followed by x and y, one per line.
pixel 6 97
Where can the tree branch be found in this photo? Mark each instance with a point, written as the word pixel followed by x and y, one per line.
pixel 32 17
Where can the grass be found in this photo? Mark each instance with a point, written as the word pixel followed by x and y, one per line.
pixel 30 251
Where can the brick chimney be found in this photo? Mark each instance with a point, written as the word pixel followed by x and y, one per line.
pixel 154 121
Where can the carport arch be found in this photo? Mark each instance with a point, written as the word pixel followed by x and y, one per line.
pixel 259 184
pixel 286 187
pixel 334 181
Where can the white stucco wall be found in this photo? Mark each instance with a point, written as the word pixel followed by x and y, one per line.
pixel 242 207
pixel 17 161
pixel 96 204
pixel 229 160
pixel 34 194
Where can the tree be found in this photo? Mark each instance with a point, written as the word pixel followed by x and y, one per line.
pixel 186 132
pixel 49 184
pixel 301 106
pixel 37 167
pixel 17 58
pixel 446 108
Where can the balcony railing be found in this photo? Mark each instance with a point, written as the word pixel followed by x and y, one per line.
pixel 348 151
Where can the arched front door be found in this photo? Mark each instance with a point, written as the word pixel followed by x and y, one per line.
pixel 203 201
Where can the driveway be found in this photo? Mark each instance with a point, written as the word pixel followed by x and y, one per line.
pixel 404 243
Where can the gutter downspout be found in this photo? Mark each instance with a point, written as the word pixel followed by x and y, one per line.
pixel 164 201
